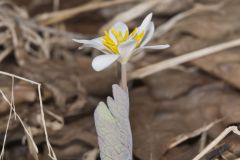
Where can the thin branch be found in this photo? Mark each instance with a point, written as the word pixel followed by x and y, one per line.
pixel 13 99
pixel 5 136
pixel 131 14
pixel 228 130
pixel 56 4
pixel 19 118
pixel 5 53
pixel 50 149
pixel 47 29
pixel 181 138
pixel 151 69
pixel 18 77
pixel 203 141
pixel 60 16
pixel 164 28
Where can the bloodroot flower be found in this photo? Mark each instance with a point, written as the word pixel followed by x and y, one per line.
pixel 118 45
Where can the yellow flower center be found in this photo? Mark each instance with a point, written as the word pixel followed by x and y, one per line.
pixel 120 38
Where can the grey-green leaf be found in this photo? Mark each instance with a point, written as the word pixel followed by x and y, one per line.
pixel 113 126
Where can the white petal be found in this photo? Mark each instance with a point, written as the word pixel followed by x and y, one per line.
pixel 151 47
pixel 94 43
pixel 156 47
pixel 126 48
pixel 103 61
pixel 148 34
pixel 98 40
pixel 145 23
pixel 80 40
pixel 120 26
pixel 112 37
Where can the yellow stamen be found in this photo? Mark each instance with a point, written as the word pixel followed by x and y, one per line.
pixel 108 38
pixel 126 36
pixel 115 33
pixel 139 38
pixel 134 32
pixel 120 38
pixel 111 47
pixel 109 43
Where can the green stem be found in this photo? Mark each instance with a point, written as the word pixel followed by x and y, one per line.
pixel 124 76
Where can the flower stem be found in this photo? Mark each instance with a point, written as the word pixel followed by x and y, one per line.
pixel 124 77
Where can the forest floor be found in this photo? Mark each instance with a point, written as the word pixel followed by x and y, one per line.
pixel 174 112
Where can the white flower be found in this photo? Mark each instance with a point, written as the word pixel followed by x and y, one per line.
pixel 119 45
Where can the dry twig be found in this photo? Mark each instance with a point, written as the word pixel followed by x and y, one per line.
pixel 27 39
pixel 60 16
pixel 181 138
pixel 131 14
pixel 151 69
pixel 228 130
pixel 167 26
pixel 12 108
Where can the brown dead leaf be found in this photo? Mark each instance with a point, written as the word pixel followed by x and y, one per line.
pixel 91 155
pixel 221 25
pixel 179 82
pixel 156 122
pixel 23 93
pixel 171 7
pixel 75 139
pixel 181 138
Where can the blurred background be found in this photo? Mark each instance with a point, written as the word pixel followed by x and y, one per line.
pixel 174 113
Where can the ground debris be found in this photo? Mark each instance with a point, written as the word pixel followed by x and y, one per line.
pixel 171 111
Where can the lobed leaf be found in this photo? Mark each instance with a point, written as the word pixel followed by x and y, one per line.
pixel 113 126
